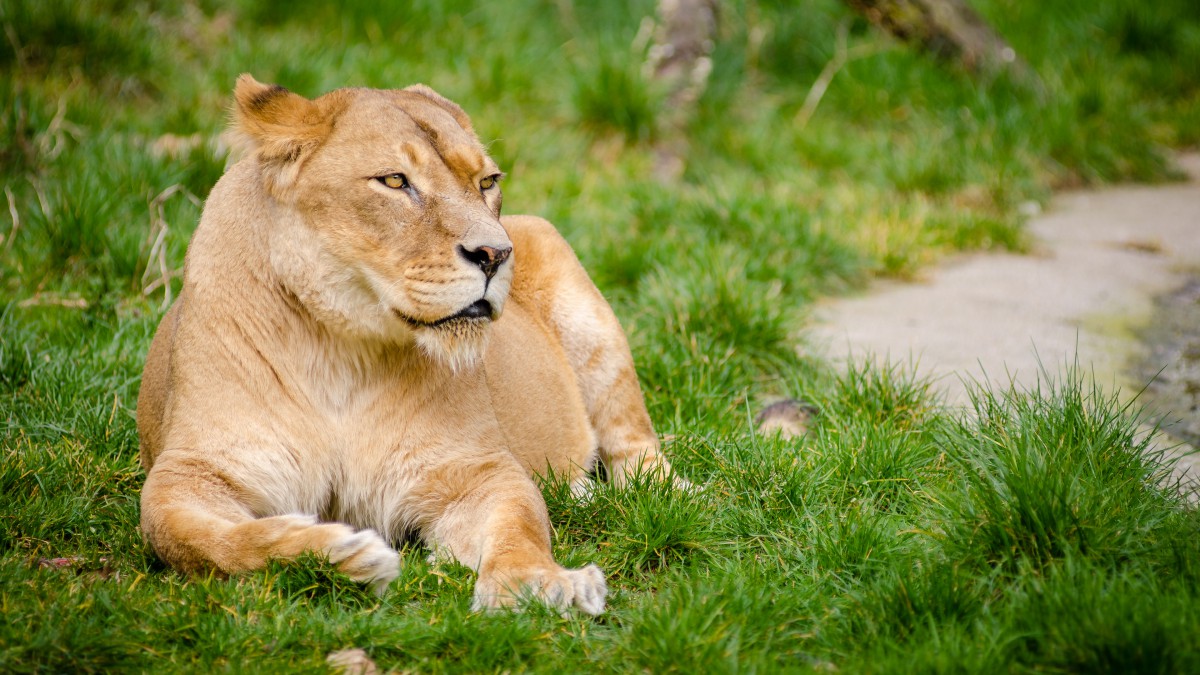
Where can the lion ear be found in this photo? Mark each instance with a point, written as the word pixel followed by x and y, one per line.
pixel 281 127
pixel 444 103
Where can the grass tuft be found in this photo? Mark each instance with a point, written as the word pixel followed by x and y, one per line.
pixel 1052 474
pixel 610 95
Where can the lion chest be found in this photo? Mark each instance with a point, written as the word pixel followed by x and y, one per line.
pixel 535 397
pixel 523 398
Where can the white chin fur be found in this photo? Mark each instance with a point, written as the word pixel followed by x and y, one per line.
pixel 459 346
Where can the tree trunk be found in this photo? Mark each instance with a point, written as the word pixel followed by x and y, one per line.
pixel 679 61
pixel 948 28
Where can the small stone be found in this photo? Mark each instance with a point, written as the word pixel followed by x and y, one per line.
pixel 788 418
pixel 353 661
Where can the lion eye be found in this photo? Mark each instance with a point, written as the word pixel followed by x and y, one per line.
pixel 396 181
pixel 489 182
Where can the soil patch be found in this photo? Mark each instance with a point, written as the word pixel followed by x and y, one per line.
pixel 1171 363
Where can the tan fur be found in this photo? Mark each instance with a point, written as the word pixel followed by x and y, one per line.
pixel 299 396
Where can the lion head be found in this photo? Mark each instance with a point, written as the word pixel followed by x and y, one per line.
pixel 384 211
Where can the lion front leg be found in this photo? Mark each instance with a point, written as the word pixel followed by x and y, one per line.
pixel 196 520
pixel 499 527
pixel 550 280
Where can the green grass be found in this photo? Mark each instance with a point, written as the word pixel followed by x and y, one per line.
pixel 895 537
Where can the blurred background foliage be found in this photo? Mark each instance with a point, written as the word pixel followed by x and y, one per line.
pixel 112 113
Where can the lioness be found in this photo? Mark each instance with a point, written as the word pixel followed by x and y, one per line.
pixel 364 348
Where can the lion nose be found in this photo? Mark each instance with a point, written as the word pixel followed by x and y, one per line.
pixel 488 258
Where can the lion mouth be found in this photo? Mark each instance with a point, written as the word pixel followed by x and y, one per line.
pixel 480 310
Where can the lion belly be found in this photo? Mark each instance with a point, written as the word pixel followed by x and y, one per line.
pixel 536 396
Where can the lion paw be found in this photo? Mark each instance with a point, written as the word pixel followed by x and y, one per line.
pixel 558 588
pixel 652 468
pixel 365 556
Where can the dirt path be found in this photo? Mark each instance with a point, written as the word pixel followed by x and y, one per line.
pixel 1087 291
